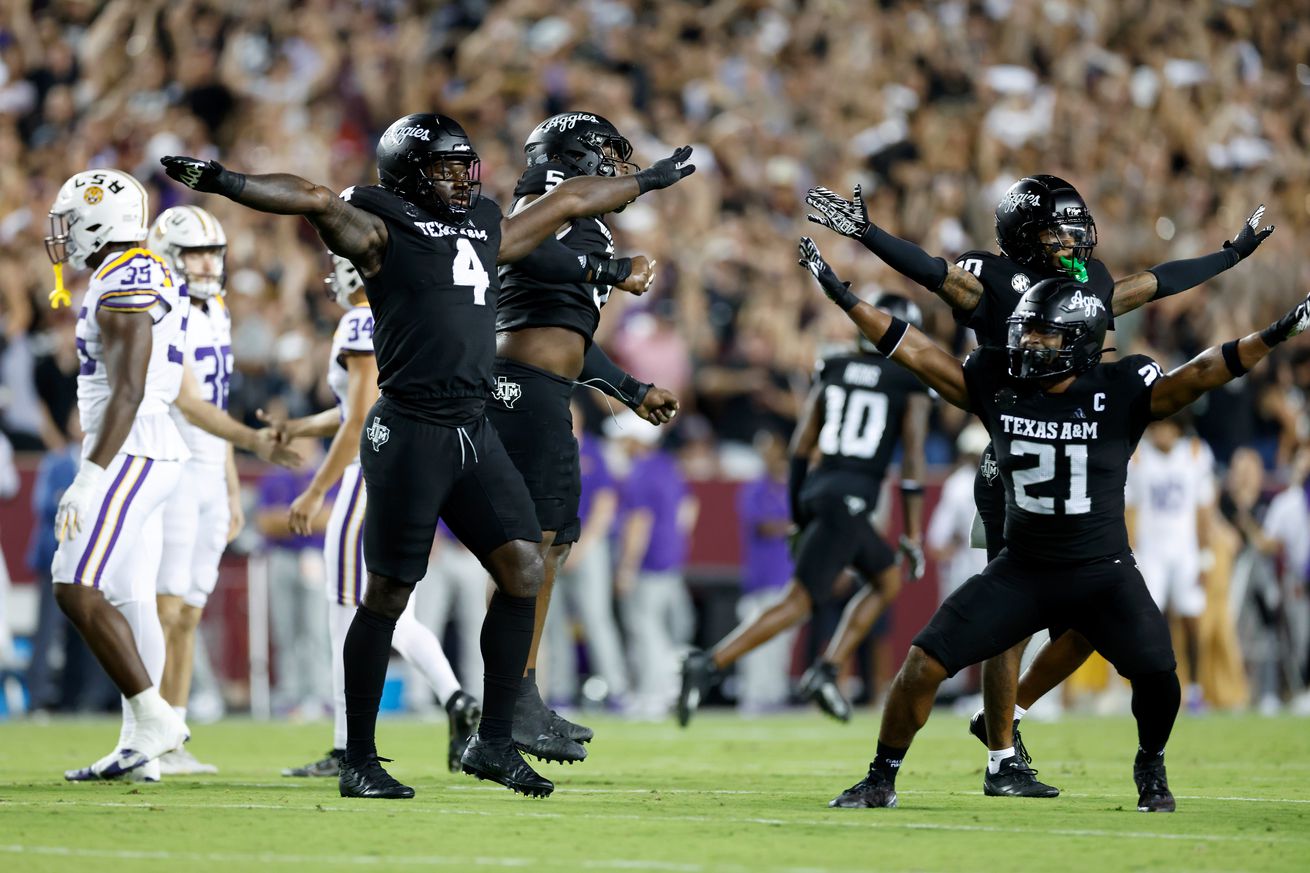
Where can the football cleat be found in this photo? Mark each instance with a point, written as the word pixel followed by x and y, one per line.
pixel 819 685
pixel 699 675
pixel 368 779
pixel 1014 778
pixel 874 791
pixel 534 735
pixel 1153 794
pixel 150 738
pixel 565 728
pixel 119 764
pixel 465 712
pixel 500 761
pixel 328 765
pixel 180 762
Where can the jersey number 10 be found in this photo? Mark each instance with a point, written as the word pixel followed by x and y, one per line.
pixel 852 424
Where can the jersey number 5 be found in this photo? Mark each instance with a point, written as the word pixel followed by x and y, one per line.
pixel 468 271
pixel 1077 503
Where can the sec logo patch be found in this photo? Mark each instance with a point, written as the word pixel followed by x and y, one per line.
pixel 1020 282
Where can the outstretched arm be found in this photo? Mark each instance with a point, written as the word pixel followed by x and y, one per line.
pixel 1175 277
pixel 906 345
pixel 348 231
pixel 521 232
pixel 959 288
pixel 1219 365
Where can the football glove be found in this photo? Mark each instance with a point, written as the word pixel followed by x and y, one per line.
pixel 1248 239
pixel 838 292
pixel 1290 325
pixel 913 553
pixel 77 505
pixel 209 177
pixel 847 217
pixel 665 171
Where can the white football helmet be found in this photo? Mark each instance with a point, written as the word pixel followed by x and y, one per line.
pixel 343 282
pixel 93 209
pixel 189 227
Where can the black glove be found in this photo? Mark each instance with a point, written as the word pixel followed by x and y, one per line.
pixel 1289 325
pixel 608 271
pixel 847 217
pixel 1248 239
pixel 838 292
pixel 206 176
pixel 665 172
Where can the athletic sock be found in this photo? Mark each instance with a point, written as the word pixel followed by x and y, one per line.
pixel 506 639
pixel 1019 712
pixel 995 757
pixel 887 761
pixel 366 653
pixel 1156 698
pixel 528 687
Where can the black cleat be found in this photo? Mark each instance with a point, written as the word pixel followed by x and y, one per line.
pixel 533 733
pixel 465 712
pixel 368 779
pixel 500 761
pixel 1015 778
pixel 1153 794
pixel 819 684
pixel 567 729
pixel 978 727
pixel 874 791
pixel 328 765
pixel 699 675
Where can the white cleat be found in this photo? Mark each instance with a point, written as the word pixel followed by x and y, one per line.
pixel 181 762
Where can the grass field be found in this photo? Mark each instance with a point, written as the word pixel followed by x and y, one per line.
pixel 726 795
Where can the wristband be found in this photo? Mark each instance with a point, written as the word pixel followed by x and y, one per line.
pixel 632 392
pixel 910 486
pixel 608 271
pixel 230 184
pixel 1232 359
pixel 891 340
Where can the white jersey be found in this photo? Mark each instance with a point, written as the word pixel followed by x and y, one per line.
pixel 135 280
pixel 209 355
pixel 1166 489
pixel 354 336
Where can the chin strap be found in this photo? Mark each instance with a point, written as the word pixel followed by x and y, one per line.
pixel 59 297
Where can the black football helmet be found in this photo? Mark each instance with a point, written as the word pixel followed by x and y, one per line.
pixel 899 307
pixel 1056 308
pixel 1045 203
pixel 583 141
pixel 415 158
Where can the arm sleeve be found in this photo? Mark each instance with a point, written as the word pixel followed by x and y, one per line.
pixel 1174 277
pixel 906 258
pixel 600 371
pixel 552 261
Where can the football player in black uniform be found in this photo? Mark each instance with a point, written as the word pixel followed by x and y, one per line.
pixel 544 345
pixel 860 408
pixel 1065 426
pixel 1044 230
pixel 427 245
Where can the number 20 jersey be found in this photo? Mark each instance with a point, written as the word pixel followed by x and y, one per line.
pixel 209 355
pixel 129 282
pixel 434 306
pixel 1063 458
pixel 865 397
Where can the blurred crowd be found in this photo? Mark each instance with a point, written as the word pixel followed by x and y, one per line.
pixel 1173 119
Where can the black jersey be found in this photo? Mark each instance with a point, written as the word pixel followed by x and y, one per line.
pixel 434 306
pixel 1063 458
pixel 1004 282
pixel 526 301
pixel 865 397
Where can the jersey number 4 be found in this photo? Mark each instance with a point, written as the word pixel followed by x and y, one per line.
pixel 852 424
pixel 1077 503
pixel 468 271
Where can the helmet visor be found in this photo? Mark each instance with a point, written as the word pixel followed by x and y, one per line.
pixel 615 153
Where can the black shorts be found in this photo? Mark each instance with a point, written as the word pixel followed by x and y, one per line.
pixel 839 534
pixel 530 410
pixel 989 497
pixel 1106 601
pixel 417 472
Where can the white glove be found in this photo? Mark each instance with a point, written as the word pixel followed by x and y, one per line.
pixel 79 502
pixel 913 553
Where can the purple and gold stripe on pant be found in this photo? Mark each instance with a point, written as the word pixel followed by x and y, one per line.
pixel 109 524
pixel 350 548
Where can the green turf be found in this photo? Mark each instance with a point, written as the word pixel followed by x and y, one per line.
pixel 726 795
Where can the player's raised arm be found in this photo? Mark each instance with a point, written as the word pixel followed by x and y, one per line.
pixel 349 231
pixel 1175 277
pixel 959 288
pixel 582 196
pixel 906 345
pixel 1219 365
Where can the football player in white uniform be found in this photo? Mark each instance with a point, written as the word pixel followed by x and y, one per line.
pixel 1168 504
pixel 353 378
pixel 204 513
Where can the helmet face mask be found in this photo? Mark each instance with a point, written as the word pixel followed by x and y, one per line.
pixel 1055 331
pixel 343 282
pixel 193 244
pixel 428 159
pixel 93 209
